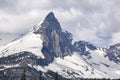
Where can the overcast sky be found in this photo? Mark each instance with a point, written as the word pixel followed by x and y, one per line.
pixel 96 21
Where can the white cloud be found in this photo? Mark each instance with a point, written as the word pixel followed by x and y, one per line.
pixel 19 23
pixel 115 38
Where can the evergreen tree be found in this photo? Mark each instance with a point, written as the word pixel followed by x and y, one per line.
pixel 56 76
pixel 40 77
pixel 23 75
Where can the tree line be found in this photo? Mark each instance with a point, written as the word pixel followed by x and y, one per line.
pixel 56 77
pixel 23 76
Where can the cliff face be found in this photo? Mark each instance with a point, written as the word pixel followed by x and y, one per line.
pixel 55 42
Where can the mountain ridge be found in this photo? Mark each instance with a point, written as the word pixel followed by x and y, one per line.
pixel 48 48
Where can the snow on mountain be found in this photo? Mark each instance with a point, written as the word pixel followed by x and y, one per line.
pixel 75 65
pixel 30 42
pixel 47 48
pixel 101 63
pixel 99 58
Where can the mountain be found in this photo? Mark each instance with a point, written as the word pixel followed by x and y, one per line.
pixel 48 49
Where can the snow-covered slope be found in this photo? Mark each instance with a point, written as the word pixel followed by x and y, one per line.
pixel 76 66
pixel 100 62
pixel 30 42
pixel 100 58
pixel 47 47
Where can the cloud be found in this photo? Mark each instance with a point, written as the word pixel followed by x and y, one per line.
pixel 96 21
pixel 115 38
pixel 15 23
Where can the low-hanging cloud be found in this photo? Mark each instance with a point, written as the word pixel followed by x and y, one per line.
pixel 96 21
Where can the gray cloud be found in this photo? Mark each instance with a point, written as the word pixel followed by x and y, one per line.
pixel 96 21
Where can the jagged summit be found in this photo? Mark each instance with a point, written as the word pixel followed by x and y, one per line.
pixel 56 43
pixel 51 14
pixel 50 17
pixel 51 22
pixel 48 24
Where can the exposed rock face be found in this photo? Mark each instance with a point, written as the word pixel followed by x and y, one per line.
pixel 55 42
pixel 16 63
pixel 113 53
pixel 82 46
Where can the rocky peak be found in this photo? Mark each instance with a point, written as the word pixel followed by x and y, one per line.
pixel 83 47
pixel 56 43
pixel 51 22
pixel 50 17
pixel 113 53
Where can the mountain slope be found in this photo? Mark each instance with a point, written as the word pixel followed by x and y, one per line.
pixel 49 49
pixel 100 58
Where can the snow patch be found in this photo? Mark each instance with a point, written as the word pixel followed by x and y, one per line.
pixel 31 43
